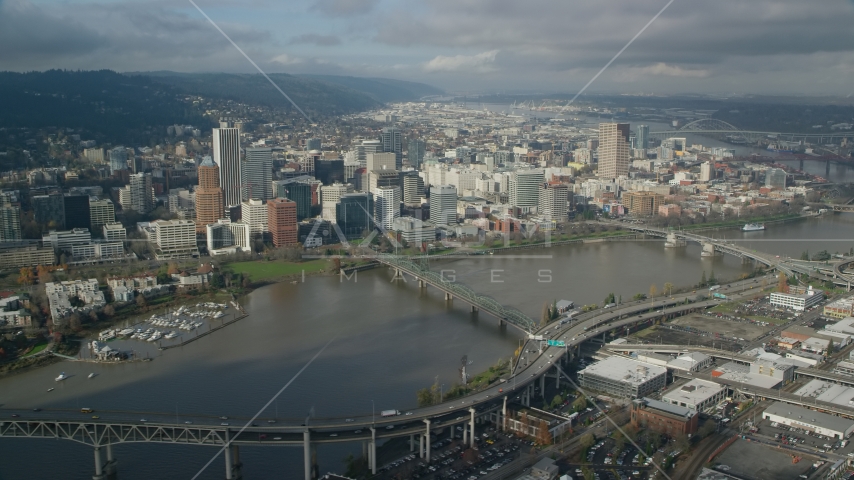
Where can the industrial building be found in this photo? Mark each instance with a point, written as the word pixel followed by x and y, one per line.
pixel 810 420
pixel 698 395
pixel 623 377
pixel 664 417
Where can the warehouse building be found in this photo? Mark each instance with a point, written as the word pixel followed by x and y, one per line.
pixel 623 377
pixel 806 419
pixel 698 395
pixel 664 417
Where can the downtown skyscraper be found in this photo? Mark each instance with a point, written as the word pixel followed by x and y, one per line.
pixel 613 150
pixel 392 140
pixel 258 174
pixel 226 155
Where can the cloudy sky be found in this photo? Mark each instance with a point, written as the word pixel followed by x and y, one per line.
pixel 696 46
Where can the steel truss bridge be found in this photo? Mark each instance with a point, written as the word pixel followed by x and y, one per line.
pixel 425 276
pixel 710 126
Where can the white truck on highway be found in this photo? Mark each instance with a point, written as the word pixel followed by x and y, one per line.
pixel 389 413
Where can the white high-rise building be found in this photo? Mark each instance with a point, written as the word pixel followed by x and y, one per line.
pixel 524 188
pixel 226 155
pixel 413 190
pixel 225 237
pixel 387 206
pixel 366 147
pixel 330 195
pixel 443 205
pixel 138 194
pixel 613 150
pixel 258 174
pixel 175 239
pixel 553 199
pixel 254 214
pixel 101 212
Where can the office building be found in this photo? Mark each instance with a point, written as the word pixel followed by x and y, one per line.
pixel 353 214
pixel 300 193
pixel 28 256
pixel 623 377
pixel 226 155
pixel 443 205
pixel 775 178
pixel 380 161
pixel 175 239
pixel 209 201
pixel 415 150
pixel 312 144
pixel 642 137
pixel 101 212
pixel 10 223
pixel 49 210
pixel 329 171
pixel 330 195
pixel 118 159
pixel 642 203
pixel 392 141
pixel 114 232
pixel 258 174
pixel 254 214
pixel 413 190
pixel 282 221
pixel 698 395
pixel 413 230
pixel 613 150
pixel 225 237
pixel 63 240
pixel 77 213
pixel 832 426
pixel 382 178
pixel 524 188
pixel 367 147
pixel 387 206
pixel 663 417
pixel 798 300
pixel 553 201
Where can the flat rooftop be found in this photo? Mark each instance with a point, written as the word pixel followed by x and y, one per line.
pixel 694 392
pixel 626 370
pixel 805 415
pixel 828 392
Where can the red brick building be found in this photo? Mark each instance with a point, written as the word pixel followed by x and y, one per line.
pixel 282 221
pixel 664 417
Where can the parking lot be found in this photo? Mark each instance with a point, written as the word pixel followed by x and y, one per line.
pixel 755 461
pixel 452 460
pixel 803 438
pixel 722 326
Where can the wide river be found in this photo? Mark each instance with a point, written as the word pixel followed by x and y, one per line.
pixel 387 340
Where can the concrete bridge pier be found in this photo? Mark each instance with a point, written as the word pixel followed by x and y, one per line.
pixel 412 443
pixel 557 378
pixel 110 466
pixel 420 445
pixel 372 452
pixel 99 465
pixel 474 309
pixel 448 297
pixel 422 283
pixel 236 464
pixel 306 456
pixel 465 433
pixel 501 322
pixel 801 165
pixel 427 440
pixel 471 437
pixel 543 386
pixel 504 415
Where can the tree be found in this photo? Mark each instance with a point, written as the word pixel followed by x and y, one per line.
pixel 545 317
pixel 830 347
pixel 712 279
pixel 553 312
pixel 707 429
pixel 424 397
pixel 805 255
pixel 556 401
pixel 609 299
pixel 579 404
pixel 639 296
pixel 668 288
pixel 782 283
pixel 587 440
pixel 26 276
pixel 141 301
pixel 544 437
pixel 172 269
pixel 109 311
pixel 652 291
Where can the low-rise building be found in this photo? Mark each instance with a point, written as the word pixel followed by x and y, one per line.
pixel 115 232
pixel 28 256
pixel 810 420
pixel 623 377
pixel 690 362
pixel 413 230
pixel 175 239
pixel 664 417
pixel 797 301
pixel 12 312
pixel 840 308
pixel 699 395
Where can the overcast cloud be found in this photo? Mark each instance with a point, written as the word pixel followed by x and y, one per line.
pixel 726 46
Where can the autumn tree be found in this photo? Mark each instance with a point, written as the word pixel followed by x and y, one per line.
pixel 653 290
pixel 668 288
pixel 544 437
pixel 26 276
pixel 782 283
